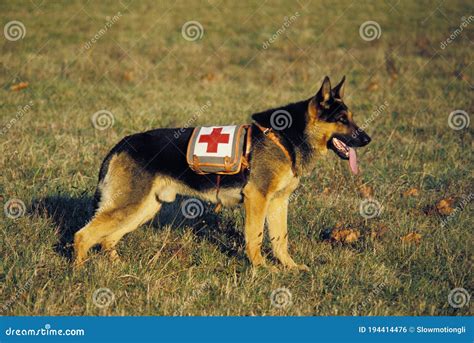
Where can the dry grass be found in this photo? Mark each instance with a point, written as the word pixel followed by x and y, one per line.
pixel 148 76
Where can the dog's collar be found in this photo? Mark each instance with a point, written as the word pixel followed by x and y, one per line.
pixel 268 132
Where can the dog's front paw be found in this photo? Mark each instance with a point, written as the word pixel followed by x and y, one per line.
pixel 264 267
pixel 297 267
pixel 303 267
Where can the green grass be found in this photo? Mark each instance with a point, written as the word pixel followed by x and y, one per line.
pixel 148 76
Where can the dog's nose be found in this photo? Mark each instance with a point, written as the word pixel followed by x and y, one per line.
pixel 366 139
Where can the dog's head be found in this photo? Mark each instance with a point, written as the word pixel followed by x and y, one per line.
pixel 334 125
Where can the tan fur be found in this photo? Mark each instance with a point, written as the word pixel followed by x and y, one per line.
pixel 319 131
pixel 131 196
pixel 277 224
pixel 272 182
pixel 122 209
pixel 270 204
pixel 167 189
pixel 255 204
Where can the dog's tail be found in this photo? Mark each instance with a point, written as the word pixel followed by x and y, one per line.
pixel 104 168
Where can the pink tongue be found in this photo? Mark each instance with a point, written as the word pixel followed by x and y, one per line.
pixel 353 161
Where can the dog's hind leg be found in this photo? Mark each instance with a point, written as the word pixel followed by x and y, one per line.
pixel 126 201
pixel 103 224
pixel 147 211
pixel 108 227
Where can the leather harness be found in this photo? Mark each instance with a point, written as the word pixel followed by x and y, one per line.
pixel 267 132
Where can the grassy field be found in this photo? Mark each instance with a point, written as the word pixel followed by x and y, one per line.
pixel 69 60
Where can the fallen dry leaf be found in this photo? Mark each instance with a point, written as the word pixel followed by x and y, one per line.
pixel 209 77
pixel 128 76
pixel 373 86
pixel 366 191
pixel 326 191
pixel 378 232
pixel 412 192
pixel 445 206
pixel 412 237
pixel 345 235
pixel 19 86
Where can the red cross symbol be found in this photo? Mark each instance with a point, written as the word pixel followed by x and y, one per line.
pixel 214 139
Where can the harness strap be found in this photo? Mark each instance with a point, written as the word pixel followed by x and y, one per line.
pixel 218 187
pixel 268 132
pixel 245 165
pixel 248 148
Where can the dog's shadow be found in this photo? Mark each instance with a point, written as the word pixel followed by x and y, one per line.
pixel 70 214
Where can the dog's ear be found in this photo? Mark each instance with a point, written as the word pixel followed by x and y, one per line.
pixel 324 93
pixel 338 91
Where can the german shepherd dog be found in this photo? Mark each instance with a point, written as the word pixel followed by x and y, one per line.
pixel 147 169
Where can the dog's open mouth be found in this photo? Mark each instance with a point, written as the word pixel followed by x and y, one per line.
pixel 345 152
